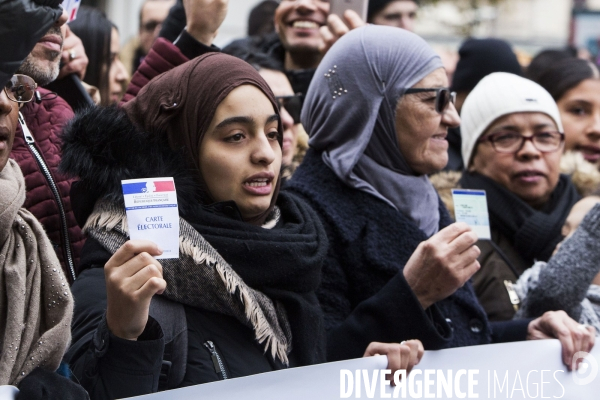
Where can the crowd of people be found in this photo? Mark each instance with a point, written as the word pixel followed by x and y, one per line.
pixel 313 162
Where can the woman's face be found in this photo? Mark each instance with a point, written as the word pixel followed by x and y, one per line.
pixel 240 156
pixel 421 130
pixel 117 74
pixel 528 173
pixel 580 115
pixel 9 114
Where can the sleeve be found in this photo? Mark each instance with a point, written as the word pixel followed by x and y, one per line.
pixel 384 317
pixel 564 281
pixel 19 38
pixel 107 366
pixel 509 331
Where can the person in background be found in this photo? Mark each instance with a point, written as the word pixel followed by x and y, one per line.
pixel 260 20
pixel 547 58
pixel 570 280
pixel 37 146
pixel 378 127
pixel 398 13
pixel 152 16
pixel 100 39
pixel 477 59
pixel 512 146
pixel 575 86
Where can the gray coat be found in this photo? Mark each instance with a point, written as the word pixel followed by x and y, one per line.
pixel 564 282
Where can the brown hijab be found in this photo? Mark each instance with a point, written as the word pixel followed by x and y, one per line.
pixel 181 104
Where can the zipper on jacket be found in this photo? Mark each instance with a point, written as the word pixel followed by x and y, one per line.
pixel 46 171
pixel 216 359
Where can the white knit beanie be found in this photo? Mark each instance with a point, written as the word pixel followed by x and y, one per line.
pixel 496 95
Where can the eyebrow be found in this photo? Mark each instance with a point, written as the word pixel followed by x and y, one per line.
pixel 244 120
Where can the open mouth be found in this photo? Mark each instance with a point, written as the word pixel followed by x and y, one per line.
pixel 258 183
pixel 305 24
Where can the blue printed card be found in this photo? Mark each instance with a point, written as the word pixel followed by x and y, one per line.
pixel 152 213
pixel 470 206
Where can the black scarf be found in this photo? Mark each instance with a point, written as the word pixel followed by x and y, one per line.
pixel 283 262
pixel 534 233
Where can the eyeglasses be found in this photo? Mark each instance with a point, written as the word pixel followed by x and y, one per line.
pixel 292 104
pixel 511 142
pixel 20 88
pixel 443 96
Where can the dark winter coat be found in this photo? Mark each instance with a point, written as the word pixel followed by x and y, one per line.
pixel 45 121
pixel 364 294
pixel 218 345
pixel 22 24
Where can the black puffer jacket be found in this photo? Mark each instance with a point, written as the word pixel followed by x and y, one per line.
pixel 218 345
pixel 364 295
pixel 22 24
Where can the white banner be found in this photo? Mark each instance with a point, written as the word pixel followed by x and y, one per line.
pixel 521 370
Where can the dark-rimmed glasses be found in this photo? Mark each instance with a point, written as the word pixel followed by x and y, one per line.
pixel 443 96
pixel 292 104
pixel 512 142
pixel 20 88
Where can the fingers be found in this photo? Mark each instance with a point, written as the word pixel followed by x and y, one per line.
pixel 451 232
pixel 337 27
pixel 130 249
pixel 573 336
pixel 402 356
pixel 353 20
pixel 73 56
pixel 464 243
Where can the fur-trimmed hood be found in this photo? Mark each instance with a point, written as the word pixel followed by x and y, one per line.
pixel 101 147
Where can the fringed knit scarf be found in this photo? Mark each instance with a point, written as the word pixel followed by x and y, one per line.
pixel 36 305
pixel 276 299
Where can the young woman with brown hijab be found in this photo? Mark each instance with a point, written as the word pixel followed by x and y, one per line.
pixel 250 257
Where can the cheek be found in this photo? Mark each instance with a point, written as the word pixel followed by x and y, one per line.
pixel 219 173
pixel 574 130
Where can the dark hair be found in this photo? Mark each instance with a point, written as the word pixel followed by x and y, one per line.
pixel 545 59
pixel 260 20
pixel 565 75
pixel 94 30
pixel 253 56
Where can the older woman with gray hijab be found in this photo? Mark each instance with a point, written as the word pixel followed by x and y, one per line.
pixel 378 111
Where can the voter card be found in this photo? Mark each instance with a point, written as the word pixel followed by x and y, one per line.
pixel 152 213
pixel 470 206
pixel 71 6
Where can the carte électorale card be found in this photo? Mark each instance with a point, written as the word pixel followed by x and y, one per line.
pixel 470 206
pixel 152 213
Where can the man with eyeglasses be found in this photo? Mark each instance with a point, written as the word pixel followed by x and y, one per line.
pixel 36 145
pixel 152 15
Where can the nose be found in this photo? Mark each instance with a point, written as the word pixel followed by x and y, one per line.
pixel 5 104
pixel 122 74
pixel 305 5
pixel 263 151
pixel 62 20
pixel 593 130
pixel 528 151
pixel 286 119
pixel 450 116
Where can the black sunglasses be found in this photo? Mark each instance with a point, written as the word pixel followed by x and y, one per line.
pixel 292 104
pixel 443 96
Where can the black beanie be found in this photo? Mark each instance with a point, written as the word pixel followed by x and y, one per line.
pixel 377 5
pixel 481 57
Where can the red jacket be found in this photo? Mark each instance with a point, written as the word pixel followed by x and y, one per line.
pixel 45 121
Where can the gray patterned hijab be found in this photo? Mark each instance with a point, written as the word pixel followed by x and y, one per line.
pixel 350 109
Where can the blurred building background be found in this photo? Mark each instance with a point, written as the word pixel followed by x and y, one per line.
pixel 528 24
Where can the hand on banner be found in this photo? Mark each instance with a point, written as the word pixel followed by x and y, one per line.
pixel 133 276
pixel 336 28
pixel 573 336
pixel 73 56
pixel 204 17
pixel 403 356
pixel 443 263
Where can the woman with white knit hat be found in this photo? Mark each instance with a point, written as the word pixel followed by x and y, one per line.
pixel 512 142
